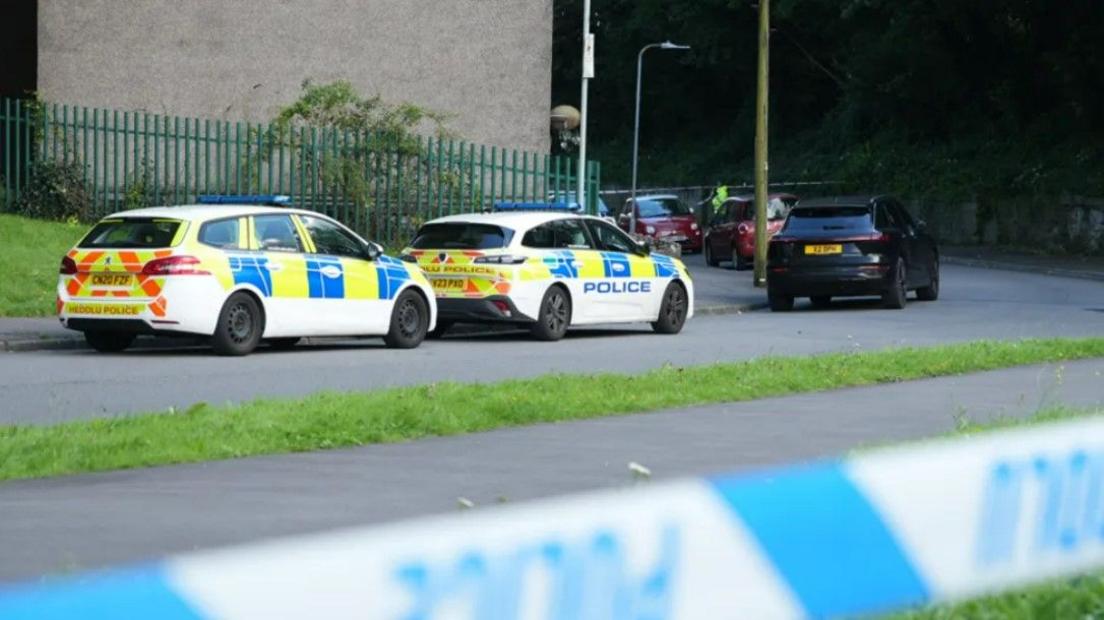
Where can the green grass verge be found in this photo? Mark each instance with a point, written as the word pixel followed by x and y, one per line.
pixel 32 251
pixel 1081 597
pixel 331 420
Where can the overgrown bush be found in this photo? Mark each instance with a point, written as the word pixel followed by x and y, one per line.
pixel 387 145
pixel 55 191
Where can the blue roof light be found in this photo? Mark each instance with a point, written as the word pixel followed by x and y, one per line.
pixel 535 206
pixel 268 200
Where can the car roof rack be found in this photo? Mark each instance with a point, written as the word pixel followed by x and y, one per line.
pixel 256 200
pixel 504 206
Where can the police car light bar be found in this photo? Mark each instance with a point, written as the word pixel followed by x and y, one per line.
pixel 267 200
pixel 535 206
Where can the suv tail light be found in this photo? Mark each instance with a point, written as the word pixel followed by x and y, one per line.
pixel 68 266
pixel 174 266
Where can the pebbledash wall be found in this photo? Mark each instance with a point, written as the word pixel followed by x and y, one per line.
pixel 487 62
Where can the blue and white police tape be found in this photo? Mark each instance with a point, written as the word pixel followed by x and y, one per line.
pixel 937 521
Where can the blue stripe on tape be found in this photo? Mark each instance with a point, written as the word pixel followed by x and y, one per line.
pixel 825 539
pixel 139 593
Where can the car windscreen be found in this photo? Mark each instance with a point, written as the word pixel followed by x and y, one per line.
pixel 461 236
pixel 131 232
pixel 661 207
pixel 828 218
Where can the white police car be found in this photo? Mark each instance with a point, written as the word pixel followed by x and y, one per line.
pixel 239 272
pixel 544 266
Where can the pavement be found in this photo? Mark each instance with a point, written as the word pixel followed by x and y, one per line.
pixel 43 387
pixel 89 521
pixel 1083 267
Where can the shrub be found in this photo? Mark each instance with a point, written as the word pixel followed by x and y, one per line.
pixel 55 191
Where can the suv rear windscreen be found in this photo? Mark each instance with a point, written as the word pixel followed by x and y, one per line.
pixel 828 218
pixel 461 236
pixel 131 232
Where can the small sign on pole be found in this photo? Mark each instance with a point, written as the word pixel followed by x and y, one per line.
pixel 588 57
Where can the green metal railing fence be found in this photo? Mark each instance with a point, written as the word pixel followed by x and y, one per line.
pixel 382 185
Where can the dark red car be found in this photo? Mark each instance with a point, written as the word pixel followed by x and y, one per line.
pixel 664 216
pixel 731 233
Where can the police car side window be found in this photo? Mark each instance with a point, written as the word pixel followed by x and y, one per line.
pixel 611 239
pixel 276 233
pixel 329 238
pixel 558 235
pixel 221 234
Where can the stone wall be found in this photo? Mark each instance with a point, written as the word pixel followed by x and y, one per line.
pixel 1071 224
pixel 488 62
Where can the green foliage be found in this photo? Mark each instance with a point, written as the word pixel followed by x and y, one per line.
pixel 138 194
pixel 32 250
pixel 331 420
pixel 360 146
pixel 55 191
pixel 958 98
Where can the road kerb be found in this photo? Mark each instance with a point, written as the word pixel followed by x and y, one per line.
pixel 54 342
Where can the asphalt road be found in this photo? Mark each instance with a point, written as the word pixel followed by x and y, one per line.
pixel 51 386
pixel 81 522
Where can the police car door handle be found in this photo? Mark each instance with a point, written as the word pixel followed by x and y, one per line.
pixel 273 266
pixel 577 263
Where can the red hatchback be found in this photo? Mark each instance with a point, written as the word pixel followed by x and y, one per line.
pixel 664 217
pixel 731 234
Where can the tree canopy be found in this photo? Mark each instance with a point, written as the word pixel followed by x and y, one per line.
pixel 844 74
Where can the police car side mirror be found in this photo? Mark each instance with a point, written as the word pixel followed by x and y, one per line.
pixel 372 250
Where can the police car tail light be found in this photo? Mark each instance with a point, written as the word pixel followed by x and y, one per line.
pixel 502 306
pixel 174 266
pixel 506 259
pixel 68 266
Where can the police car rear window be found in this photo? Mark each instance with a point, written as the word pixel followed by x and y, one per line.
pixel 131 233
pixel 461 236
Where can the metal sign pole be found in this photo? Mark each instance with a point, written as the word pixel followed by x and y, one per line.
pixel 588 73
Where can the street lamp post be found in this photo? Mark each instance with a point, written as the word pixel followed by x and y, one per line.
pixel 666 45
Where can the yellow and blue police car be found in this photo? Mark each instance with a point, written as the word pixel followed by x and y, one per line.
pixel 544 266
pixel 240 270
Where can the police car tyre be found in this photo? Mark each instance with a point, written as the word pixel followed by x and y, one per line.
pixel 409 322
pixel 710 259
pixel 108 342
pixel 554 316
pixel 441 329
pixel 283 344
pixel 779 302
pixel 896 295
pixel 931 291
pixel 239 327
pixel 672 312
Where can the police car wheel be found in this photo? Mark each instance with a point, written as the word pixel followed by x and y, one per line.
pixel 108 342
pixel 409 322
pixel 240 326
pixel 441 329
pixel 672 312
pixel 554 315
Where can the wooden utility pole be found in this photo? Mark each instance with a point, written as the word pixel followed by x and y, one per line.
pixel 761 177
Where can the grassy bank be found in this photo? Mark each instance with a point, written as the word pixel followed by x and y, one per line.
pixel 32 251
pixel 331 420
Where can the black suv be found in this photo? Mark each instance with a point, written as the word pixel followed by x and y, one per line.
pixel 851 246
